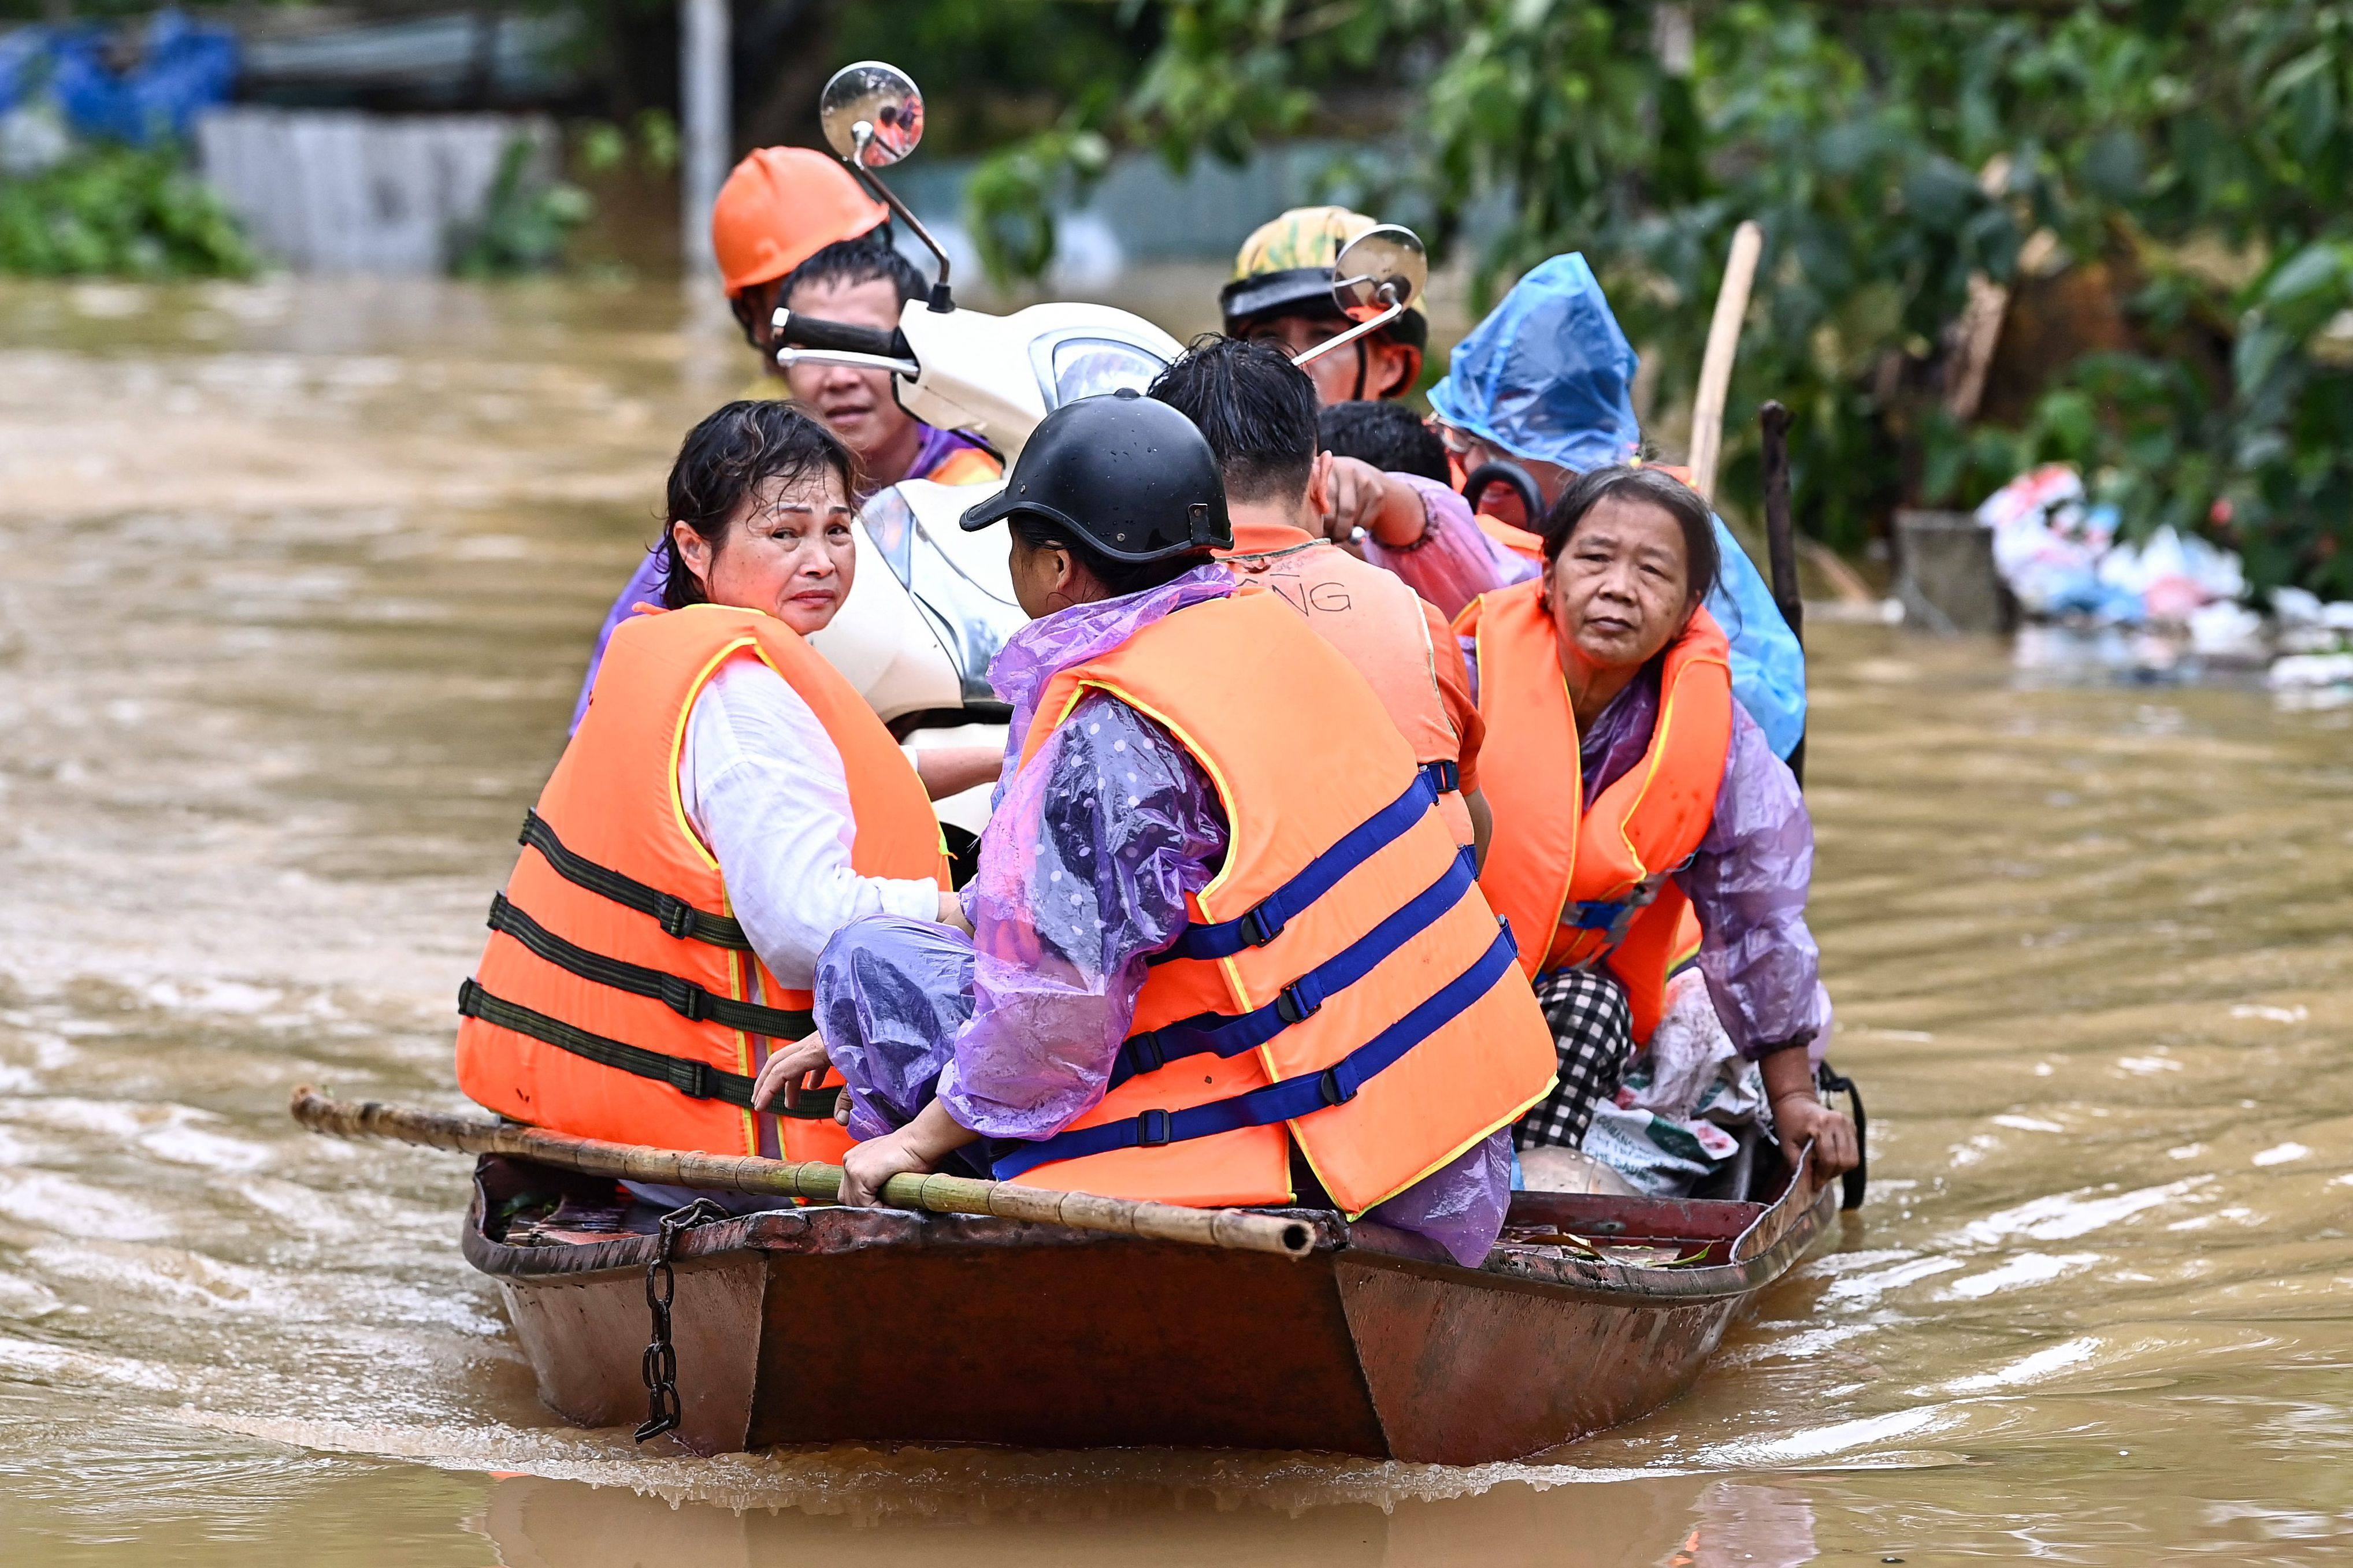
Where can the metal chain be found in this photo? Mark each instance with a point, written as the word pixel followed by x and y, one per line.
pixel 660 1367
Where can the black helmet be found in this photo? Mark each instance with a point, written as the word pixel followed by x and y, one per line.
pixel 1131 477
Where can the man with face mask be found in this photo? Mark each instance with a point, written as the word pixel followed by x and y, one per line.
pixel 793 228
pixel 1281 293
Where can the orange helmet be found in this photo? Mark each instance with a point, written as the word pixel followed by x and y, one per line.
pixel 781 206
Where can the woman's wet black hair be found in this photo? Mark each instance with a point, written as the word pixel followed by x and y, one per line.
pixel 1121 578
pixel 1659 487
pixel 728 457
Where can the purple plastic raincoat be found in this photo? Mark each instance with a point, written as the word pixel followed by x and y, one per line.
pixel 1092 851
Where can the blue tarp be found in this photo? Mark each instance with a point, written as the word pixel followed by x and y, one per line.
pixel 182 67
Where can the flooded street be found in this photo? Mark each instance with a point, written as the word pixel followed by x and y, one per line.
pixel 299 581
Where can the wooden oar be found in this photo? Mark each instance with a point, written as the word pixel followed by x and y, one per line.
pixel 1234 1229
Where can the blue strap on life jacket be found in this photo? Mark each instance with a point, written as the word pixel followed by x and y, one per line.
pixel 1264 922
pixel 1230 1034
pixel 1601 915
pixel 1285 1101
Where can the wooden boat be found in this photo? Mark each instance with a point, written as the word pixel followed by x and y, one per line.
pixel 828 1324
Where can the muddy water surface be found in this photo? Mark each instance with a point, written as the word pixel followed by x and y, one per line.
pixel 295 586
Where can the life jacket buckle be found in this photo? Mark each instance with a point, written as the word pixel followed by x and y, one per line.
pixel 675 915
pixel 1601 915
pixel 1293 1007
pixel 1261 925
pixel 1145 1053
pixel 688 1001
pixel 1445 776
pixel 691 1078
pixel 1152 1129
pixel 1334 1091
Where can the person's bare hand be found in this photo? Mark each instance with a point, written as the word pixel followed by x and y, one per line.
pixel 1354 494
pixel 952 913
pixel 1798 1119
pixel 867 1167
pixel 791 1071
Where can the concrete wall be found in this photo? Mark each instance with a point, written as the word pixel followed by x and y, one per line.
pixel 342 191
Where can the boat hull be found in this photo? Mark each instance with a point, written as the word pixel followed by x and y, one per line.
pixel 826 1325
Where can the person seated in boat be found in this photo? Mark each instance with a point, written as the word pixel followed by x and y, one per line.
pixel 1545 381
pixel 728 804
pixel 1257 411
pixel 1630 791
pixel 1224 950
pixel 790 196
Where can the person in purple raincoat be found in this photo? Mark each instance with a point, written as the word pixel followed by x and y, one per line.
pixel 1096 845
pixel 1628 554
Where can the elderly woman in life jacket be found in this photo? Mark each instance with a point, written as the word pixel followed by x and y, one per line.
pixel 1631 793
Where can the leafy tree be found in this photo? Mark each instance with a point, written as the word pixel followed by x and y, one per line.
pixel 2187 157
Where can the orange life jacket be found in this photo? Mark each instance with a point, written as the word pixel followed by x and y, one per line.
pixel 964 465
pixel 617 997
pixel 1343 977
pixel 1580 882
pixel 1379 627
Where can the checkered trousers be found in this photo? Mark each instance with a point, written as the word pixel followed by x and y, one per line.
pixel 1593 1030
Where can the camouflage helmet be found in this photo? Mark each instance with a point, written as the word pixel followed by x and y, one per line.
pixel 1284 269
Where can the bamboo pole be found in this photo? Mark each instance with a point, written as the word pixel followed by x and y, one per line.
pixel 1716 364
pixel 1781 541
pixel 1233 1229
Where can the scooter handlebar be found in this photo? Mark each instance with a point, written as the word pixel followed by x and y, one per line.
pixel 815 332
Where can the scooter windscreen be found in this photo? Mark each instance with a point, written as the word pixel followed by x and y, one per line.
pixel 1089 367
pixel 961 587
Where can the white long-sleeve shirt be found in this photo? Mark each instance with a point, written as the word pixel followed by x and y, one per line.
pixel 763 784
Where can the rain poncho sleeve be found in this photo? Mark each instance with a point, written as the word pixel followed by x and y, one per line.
pixel 1748 881
pixel 1768 665
pixel 645 586
pixel 1093 849
pixel 1453 561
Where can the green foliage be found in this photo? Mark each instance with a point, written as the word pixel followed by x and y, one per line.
pixel 527 220
pixel 1889 152
pixel 121 212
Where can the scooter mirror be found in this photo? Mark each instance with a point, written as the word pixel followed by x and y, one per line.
pixel 1383 269
pixel 872 114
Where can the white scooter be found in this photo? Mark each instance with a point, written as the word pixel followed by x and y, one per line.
pixel 916 639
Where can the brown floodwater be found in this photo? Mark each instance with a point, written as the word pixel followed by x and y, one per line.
pixel 298 582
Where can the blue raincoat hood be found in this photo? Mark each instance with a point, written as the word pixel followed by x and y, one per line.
pixel 1548 375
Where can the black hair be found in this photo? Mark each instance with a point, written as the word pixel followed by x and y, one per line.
pixel 1659 487
pixel 1388 435
pixel 1256 409
pixel 869 258
pixel 1121 577
pixel 728 457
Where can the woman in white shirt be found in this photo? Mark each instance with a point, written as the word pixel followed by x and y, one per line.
pixel 729 784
